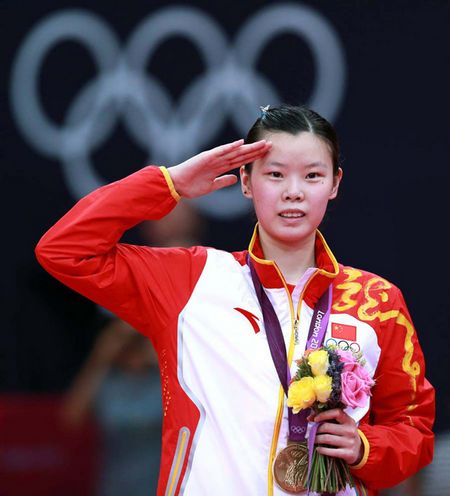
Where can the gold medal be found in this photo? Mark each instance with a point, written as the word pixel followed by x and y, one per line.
pixel 290 468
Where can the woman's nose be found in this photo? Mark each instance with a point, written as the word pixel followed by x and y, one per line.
pixel 293 192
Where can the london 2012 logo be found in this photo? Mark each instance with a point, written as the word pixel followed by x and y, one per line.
pixel 230 87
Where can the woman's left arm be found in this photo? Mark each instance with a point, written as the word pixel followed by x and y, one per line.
pixel 395 439
pixel 397 431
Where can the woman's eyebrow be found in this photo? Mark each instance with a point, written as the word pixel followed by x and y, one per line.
pixel 308 166
pixel 316 164
pixel 278 164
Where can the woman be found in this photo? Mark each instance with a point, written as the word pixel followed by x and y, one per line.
pixel 225 415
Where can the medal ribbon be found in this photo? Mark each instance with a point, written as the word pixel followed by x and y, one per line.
pixel 319 322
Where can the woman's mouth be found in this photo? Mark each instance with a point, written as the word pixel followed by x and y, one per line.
pixel 291 214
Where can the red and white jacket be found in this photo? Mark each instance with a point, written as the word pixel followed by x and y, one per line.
pixel 225 414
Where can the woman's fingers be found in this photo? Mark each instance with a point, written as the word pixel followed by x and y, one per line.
pixel 207 171
pixel 228 147
pixel 256 148
pixel 244 155
pixel 224 181
pixel 248 159
pixel 338 436
pixel 351 451
pixel 331 428
pixel 335 452
pixel 334 414
pixel 330 441
pixel 238 147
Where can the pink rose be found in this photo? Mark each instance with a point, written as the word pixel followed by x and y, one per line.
pixel 348 359
pixel 355 381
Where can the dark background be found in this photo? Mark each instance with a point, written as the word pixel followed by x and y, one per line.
pixel 391 217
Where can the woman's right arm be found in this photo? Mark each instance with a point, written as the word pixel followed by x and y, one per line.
pixel 82 249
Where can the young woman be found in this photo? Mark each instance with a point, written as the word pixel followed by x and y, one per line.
pixel 225 415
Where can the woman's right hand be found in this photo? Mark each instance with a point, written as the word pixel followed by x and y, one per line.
pixel 206 172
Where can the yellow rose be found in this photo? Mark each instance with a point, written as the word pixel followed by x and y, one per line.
pixel 301 394
pixel 322 387
pixel 318 361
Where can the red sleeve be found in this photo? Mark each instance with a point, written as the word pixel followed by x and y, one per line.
pixel 397 432
pixel 146 287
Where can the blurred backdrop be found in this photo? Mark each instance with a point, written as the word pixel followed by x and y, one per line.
pixel 92 91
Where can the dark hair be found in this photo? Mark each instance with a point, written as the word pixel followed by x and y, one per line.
pixel 293 120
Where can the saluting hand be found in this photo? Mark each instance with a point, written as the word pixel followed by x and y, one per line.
pixel 206 172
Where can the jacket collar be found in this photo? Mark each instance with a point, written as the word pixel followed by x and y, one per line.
pixel 271 277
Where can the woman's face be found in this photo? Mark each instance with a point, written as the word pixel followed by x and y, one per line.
pixel 290 188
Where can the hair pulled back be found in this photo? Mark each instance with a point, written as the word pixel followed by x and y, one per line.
pixel 293 120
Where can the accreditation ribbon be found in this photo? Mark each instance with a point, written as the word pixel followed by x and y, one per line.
pixel 291 464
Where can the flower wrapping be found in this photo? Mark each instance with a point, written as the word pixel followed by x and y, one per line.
pixel 328 378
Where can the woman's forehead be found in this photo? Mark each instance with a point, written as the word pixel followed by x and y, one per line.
pixel 304 149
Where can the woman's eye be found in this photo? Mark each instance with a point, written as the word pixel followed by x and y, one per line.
pixel 313 175
pixel 275 174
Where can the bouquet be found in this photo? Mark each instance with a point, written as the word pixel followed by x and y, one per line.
pixel 327 378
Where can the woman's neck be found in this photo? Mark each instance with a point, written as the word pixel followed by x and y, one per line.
pixel 291 260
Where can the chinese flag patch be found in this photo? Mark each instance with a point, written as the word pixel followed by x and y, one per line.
pixel 343 331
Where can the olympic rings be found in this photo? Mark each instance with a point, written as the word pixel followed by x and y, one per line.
pixel 230 87
pixel 344 345
pixel 297 429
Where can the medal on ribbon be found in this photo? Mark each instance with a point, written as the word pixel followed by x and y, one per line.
pixel 290 468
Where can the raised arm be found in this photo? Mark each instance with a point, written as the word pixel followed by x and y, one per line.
pixel 144 286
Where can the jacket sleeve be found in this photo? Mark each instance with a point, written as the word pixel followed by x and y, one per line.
pixel 397 431
pixel 147 287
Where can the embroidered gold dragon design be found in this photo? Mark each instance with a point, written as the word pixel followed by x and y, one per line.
pixel 374 292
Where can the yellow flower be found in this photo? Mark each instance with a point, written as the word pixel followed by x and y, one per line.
pixel 322 387
pixel 318 361
pixel 301 394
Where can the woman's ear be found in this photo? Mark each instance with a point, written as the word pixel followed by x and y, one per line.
pixel 245 182
pixel 336 182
